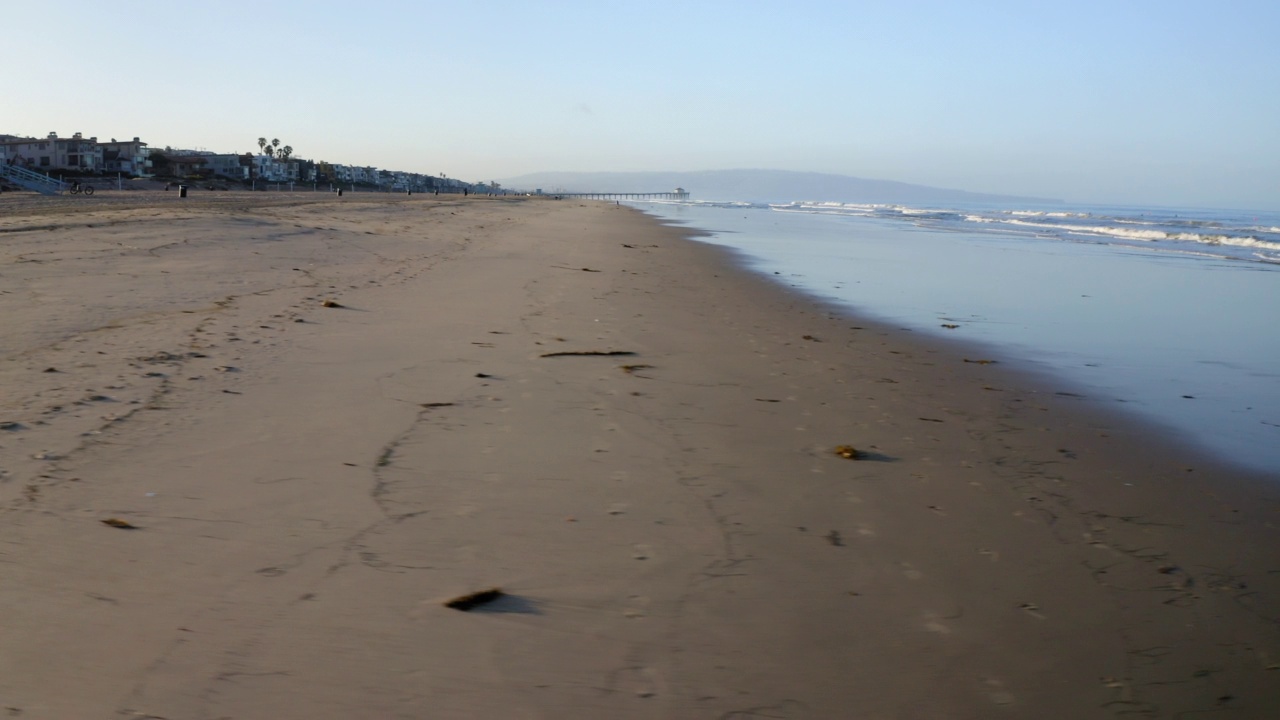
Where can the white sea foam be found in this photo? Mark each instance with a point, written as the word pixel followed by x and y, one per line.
pixel 1043 213
pixel 1101 230
pixel 1249 242
pixel 824 208
pixel 1167 233
pixel 699 203
pixel 1139 234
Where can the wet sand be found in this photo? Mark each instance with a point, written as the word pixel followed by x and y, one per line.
pixel 324 418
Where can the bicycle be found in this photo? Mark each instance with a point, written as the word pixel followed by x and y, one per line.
pixel 77 188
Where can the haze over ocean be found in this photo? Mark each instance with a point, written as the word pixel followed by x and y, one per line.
pixel 1163 313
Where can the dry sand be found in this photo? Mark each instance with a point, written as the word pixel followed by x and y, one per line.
pixel 675 534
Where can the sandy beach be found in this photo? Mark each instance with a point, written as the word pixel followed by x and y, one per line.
pixel 314 420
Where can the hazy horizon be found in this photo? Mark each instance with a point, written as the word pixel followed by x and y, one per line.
pixel 758 185
pixel 1158 103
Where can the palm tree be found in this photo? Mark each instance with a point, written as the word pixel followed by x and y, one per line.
pixel 286 152
pixel 262 144
pixel 275 143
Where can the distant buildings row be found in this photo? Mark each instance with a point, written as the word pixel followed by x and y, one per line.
pixel 135 158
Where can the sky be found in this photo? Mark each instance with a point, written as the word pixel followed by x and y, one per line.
pixel 1172 103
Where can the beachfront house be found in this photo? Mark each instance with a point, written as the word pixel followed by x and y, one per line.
pixel 272 169
pixel 77 153
pixel 264 168
pixel 226 165
pixel 28 152
pixel 307 170
pixel 185 166
pixel 401 180
pixel 128 157
pixel 53 153
pixel 325 172
pixel 368 175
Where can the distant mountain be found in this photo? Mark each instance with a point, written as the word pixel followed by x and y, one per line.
pixel 765 186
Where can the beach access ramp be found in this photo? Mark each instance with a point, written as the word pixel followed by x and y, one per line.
pixel 30 179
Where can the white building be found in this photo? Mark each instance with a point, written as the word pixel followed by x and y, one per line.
pixel 273 169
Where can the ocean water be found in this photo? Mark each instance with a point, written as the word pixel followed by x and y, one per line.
pixel 1169 314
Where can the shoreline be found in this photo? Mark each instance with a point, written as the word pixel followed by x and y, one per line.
pixel 1043 379
pixel 674 531
pixel 1205 386
pixel 1071 395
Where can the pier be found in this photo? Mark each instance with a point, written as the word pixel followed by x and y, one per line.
pixel 677 194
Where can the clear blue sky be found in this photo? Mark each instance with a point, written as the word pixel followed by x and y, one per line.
pixel 1170 102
